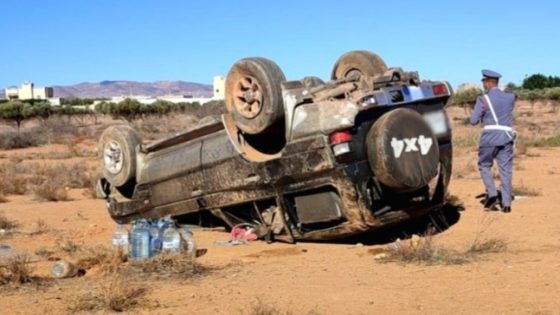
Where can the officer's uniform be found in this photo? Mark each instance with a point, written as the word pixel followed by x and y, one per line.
pixel 497 138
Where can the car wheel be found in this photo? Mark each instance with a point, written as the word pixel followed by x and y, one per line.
pixel 117 146
pixel 402 151
pixel 254 94
pixel 358 63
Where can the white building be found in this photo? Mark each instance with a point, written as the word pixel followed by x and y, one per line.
pixel 28 91
pixel 219 87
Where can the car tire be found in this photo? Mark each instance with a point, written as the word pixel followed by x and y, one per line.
pixel 402 151
pixel 254 94
pixel 358 62
pixel 117 146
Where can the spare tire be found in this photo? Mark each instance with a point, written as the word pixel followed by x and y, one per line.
pixel 358 62
pixel 117 146
pixel 402 151
pixel 254 94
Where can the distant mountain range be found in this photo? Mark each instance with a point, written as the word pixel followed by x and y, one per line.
pixel 123 88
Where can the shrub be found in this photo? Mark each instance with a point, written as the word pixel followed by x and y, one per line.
pixel 47 182
pixel 424 251
pixel 50 191
pixel 522 190
pixel 16 270
pixel 552 141
pixel 16 140
pixel 493 245
pixel 169 265
pixel 112 294
pixel 7 224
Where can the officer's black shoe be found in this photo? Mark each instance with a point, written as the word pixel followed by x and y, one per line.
pixel 490 203
pixel 492 208
pixel 506 209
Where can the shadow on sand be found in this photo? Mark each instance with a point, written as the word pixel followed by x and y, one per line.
pixel 433 223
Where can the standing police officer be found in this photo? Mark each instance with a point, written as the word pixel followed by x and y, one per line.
pixel 495 110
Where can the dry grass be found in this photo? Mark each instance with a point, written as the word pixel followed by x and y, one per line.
pixel 259 307
pixel 13 183
pixel 46 182
pixel 522 190
pixel 65 131
pixel 86 257
pixel 481 244
pixel 112 293
pixel 41 227
pixel 427 251
pixel 68 246
pixel 470 141
pixel 492 245
pixel 424 251
pixel 521 148
pixel 7 224
pixel 466 170
pixel 89 256
pixel 44 252
pixel 49 191
pixel 16 270
pixel 3 199
pixel 169 265
pixel 13 140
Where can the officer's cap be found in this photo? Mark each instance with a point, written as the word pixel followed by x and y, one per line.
pixel 489 74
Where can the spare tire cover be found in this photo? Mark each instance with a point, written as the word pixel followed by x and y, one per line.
pixel 402 150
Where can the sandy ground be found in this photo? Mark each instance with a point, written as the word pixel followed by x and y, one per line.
pixel 333 278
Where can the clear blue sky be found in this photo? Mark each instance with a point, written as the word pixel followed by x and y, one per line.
pixel 67 42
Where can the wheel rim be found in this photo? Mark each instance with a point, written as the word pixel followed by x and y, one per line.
pixel 248 100
pixel 113 157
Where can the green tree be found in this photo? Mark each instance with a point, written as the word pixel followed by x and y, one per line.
pixel 535 81
pixel 17 111
pixel 13 111
pixel 129 109
pixel 76 101
pixel 553 81
pixel 160 107
pixel 510 87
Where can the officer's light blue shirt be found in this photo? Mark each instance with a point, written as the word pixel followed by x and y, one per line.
pixel 503 106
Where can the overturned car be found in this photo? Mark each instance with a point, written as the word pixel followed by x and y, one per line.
pixel 298 160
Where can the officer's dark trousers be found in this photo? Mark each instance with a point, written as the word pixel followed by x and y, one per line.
pixel 504 158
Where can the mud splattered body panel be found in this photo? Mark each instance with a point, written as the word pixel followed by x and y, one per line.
pixel 319 186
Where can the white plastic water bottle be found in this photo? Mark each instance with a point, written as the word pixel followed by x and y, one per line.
pixel 63 269
pixel 140 241
pixel 171 240
pixel 189 240
pixel 155 243
pixel 121 238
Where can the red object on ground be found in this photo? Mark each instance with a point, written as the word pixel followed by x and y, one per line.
pixel 239 233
